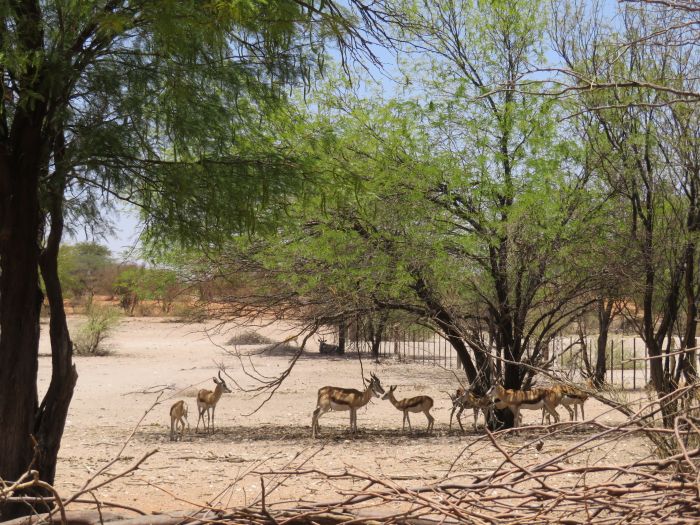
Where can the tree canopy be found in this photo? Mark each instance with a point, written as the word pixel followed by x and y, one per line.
pixel 170 106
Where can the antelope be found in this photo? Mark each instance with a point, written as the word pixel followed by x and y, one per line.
pixel 465 399
pixel 207 400
pixel 568 397
pixel 411 404
pixel 178 416
pixel 327 348
pixel 335 398
pixel 533 399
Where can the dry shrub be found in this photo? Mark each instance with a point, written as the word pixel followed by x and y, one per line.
pixel 250 338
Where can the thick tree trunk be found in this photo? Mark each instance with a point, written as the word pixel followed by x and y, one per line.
pixel 377 333
pixel 20 306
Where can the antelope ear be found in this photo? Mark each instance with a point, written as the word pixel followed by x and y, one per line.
pixel 215 380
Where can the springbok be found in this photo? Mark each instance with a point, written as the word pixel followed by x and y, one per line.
pixel 412 404
pixel 533 399
pixel 327 348
pixel 466 399
pixel 568 396
pixel 207 400
pixel 178 416
pixel 335 398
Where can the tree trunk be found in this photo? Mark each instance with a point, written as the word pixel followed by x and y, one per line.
pixel 51 417
pixel 689 359
pixel 448 325
pixel 20 306
pixel 377 333
pixel 604 321
pixel 342 334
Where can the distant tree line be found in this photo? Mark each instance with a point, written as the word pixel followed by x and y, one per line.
pixel 88 269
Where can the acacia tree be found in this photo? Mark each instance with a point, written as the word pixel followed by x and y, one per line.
pixel 166 105
pixel 521 199
pixel 466 212
pixel 645 140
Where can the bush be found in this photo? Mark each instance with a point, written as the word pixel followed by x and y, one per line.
pixel 101 320
pixel 250 338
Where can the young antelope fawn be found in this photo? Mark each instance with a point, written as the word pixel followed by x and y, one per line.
pixel 412 404
pixel 178 416
pixel 465 399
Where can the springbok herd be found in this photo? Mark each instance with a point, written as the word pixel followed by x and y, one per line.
pixel 338 399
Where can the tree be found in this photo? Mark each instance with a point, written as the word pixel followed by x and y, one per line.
pixel 467 212
pixel 645 141
pixel 520 199
pixel 137 283
pixel 82 269
pixel 167 105
pixel 396 233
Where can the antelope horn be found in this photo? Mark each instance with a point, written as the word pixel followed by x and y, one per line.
pixel 220 375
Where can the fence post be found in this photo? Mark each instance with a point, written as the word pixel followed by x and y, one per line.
pixel 611 362
pixel 622 364
pixel 634 362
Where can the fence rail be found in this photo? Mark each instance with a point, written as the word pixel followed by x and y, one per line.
pixel 625 363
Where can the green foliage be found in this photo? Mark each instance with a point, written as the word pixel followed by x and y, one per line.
pixel 472 205
pixel 173 106
pixel 100 322
pixel 128 288
pixel 137 284
pixel 85 269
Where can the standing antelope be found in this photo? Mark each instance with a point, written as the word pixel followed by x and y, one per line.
pixel 533 399
pixel 466 399
pixel 207 400
pixel 568 396
pixel 335 398
pixel 178 416
pixel 412 404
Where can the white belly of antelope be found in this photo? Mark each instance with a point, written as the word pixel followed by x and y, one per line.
pixel 532 406
pixel 339 406
pixel 568 401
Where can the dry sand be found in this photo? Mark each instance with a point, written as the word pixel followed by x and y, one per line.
pixel 151 354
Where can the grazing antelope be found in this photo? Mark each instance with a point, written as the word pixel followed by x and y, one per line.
pixel 178 416
pixel 335 398
pixel 207 400
pixel 569 396
pixel 465 399
pixel 533 399
pixel 412 404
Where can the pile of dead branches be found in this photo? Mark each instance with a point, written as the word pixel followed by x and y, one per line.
pixel 557 488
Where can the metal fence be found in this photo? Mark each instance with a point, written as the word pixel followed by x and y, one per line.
pixel 625 363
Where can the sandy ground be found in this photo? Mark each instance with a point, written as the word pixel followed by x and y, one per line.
pixel 148 355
